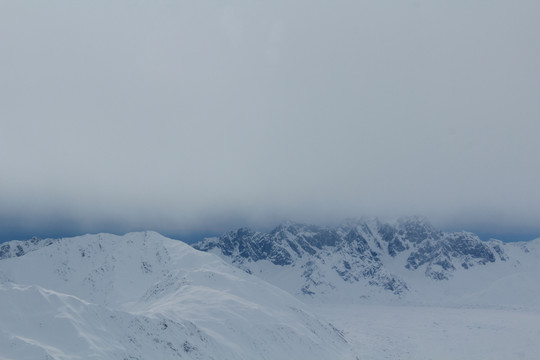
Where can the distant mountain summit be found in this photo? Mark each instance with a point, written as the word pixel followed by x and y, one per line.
pixel 358 259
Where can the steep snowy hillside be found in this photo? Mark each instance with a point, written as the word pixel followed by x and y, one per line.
pixel 408 260
pixel 142 296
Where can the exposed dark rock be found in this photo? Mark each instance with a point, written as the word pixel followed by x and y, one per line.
pixel 359 247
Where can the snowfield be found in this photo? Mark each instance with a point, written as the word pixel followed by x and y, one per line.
pixel 429 332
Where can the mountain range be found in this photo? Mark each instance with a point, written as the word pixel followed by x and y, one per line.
pixel 363 259
pixel 263 295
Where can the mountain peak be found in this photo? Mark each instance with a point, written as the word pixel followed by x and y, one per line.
pixel 132 296
pixel 359 251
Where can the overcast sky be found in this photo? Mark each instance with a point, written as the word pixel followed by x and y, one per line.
pixel 191 117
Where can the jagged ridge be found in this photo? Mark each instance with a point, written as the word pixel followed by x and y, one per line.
pixel 357 251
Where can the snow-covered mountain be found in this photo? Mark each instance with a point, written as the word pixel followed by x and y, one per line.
pixel 143 296
pixel 407 260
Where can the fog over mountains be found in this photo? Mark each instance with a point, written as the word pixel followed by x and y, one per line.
pixel 200 117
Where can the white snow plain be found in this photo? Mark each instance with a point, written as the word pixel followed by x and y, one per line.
pixel 430 332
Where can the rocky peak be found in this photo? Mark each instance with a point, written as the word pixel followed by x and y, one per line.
pixel 358 250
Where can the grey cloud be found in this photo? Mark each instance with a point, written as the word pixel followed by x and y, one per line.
pixel 181 115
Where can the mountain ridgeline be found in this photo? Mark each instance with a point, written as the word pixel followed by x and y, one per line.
pixel 367 251
pixel 143 296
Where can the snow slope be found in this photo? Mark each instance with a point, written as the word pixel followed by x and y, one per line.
pixel 143 296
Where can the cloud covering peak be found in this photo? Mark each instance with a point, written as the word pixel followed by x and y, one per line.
pixel 189 116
